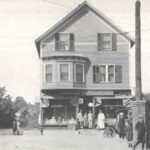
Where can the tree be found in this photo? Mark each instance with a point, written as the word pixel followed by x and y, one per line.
pixel 7 112
pixel 20 104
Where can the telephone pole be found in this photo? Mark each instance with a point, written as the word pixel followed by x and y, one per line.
pixel 138 106
pixel 138 50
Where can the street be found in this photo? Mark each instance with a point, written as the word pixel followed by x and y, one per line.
pixel 62 140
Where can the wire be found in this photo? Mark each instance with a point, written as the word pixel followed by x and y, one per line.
pixel 57 4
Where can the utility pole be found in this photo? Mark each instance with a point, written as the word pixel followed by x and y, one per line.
pixel 138 50
pixel 138 106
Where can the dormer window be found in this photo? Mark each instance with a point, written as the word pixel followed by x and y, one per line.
pixel 64 42
pixel 107 41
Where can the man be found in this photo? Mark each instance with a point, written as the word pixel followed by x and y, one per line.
pixel 101 120
pixel 80 120
pixel 140 128
pixel 120 125
pixel 14 127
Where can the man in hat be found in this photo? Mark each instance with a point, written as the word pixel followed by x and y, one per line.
pixel 140 128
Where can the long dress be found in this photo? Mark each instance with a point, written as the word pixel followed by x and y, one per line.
pixel 90 120
pixel 101 121
pixel 85 121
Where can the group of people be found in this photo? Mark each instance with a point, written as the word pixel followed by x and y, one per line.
pixel 86 120
pixel 126 129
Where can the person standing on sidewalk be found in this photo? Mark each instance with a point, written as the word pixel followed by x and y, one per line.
pixel 90 120
pixel 85 121
pixel 140 128
pixel 14 127
pixel 101 120
pixel 80 120
pixel 121 125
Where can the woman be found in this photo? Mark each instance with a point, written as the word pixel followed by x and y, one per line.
pixel 90 120
pixel 129 135
pixel 85 120
pixel 101 120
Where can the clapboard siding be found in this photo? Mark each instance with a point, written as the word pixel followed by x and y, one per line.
pixel 85 29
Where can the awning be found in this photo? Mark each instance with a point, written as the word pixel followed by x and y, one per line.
pixel 45 100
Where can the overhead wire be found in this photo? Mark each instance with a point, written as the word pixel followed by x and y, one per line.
pixel 59 4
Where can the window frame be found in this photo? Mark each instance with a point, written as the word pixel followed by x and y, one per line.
pixel 101 41
pixel 83 69
pixel 69 71
pixel 48 63
pixel 111 73
pixel 106 73
pixel 63 41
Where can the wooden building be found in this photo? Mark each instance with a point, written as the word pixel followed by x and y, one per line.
pixel 83 57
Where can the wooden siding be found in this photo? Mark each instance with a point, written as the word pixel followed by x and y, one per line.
pixel 85 28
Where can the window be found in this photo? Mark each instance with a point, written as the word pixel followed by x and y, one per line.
pixel 48 72
pixel 99 74
pixel 107 41
pixel 111 73
pixel 64 72
pixel 64 41
pixel 107 74
pixel 79 72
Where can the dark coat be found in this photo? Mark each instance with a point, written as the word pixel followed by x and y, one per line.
pixel 140 128
pixel 129 134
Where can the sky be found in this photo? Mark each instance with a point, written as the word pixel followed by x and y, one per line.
pixel 22 21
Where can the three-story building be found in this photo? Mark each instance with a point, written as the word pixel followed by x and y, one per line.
pixel 84 58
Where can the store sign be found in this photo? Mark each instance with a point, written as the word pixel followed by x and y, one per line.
pixel 80 100
pixel 98 100
pixel 101 92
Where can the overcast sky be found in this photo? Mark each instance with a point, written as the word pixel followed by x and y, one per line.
pixel 22 21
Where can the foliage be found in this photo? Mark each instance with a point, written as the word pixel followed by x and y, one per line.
pixel 8 109
pixel 29 112
pixel 7 112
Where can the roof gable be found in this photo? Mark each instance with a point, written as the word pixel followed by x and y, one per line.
pixel 85 6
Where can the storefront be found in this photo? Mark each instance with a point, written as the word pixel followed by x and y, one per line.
pixel 62 108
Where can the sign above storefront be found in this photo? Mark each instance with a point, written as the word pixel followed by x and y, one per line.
pixel 100 92
pixel 98 100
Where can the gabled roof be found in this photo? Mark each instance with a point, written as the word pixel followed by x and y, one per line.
pixel 84 5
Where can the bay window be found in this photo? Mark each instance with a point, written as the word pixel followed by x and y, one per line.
pixel 48 72
pixel 79 72
pixel 64 72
